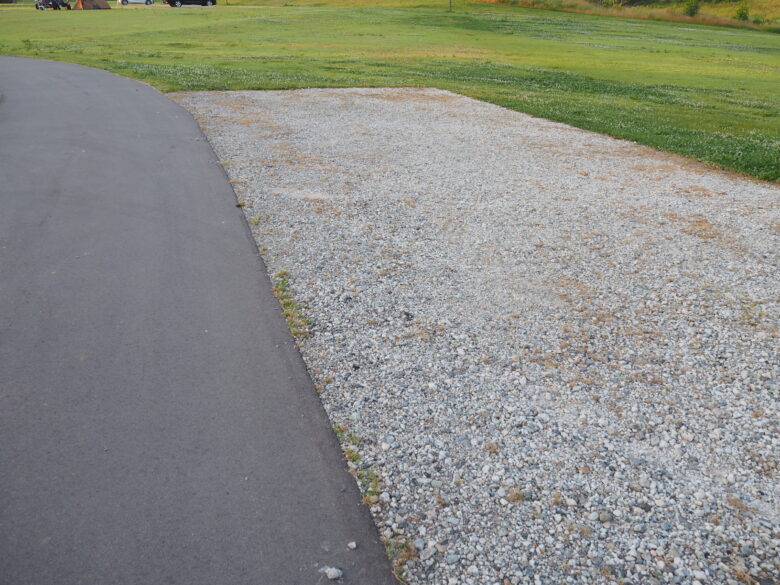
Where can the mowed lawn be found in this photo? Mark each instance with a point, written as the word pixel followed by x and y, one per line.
pixel 712 93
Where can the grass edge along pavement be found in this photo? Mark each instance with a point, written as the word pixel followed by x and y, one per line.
pixel 399 548
pixel 700 91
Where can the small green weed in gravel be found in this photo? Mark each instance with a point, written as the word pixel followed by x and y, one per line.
pixel 340 430
pixel 352 455
pixel 369 482
pixel 400 550
pixel 296 321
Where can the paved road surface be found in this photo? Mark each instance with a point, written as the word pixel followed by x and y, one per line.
pixel 157 425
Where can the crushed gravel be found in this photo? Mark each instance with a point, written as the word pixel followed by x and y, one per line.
pixel 553 355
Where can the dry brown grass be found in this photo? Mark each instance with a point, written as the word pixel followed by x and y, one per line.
pixel 515 495
pixel 695 191
pixel 701 227
pixel 659 168
pixel 405 94
pixel 742 575
pixel 736 503
pixel 400 551
pixel 695 225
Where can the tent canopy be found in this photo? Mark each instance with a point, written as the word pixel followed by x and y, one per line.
pixel 91 4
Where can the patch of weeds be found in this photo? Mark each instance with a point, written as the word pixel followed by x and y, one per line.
pixel 400 551
pixel 369 500
pixel 352 455
pixel 349 445
pixel 296 322
pixel 369 482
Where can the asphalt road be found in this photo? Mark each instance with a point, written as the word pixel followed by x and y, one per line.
pixel 157 425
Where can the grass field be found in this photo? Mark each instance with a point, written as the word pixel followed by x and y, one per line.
pixel 712 93
pixel 761 14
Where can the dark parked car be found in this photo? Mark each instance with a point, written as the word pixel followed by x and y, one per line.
pixel 177 3
pixel 53 4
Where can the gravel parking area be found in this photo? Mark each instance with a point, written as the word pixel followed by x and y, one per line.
pixel 552 356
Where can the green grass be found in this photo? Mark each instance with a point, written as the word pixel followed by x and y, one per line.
pixel 763 13
pixel 707 92
pixel 296 321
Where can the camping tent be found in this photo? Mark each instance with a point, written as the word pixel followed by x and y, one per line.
pixel 90 4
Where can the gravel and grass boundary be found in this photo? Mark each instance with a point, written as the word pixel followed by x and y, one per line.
pixel 551 356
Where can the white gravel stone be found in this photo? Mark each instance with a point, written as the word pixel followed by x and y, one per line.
pixel 559 349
